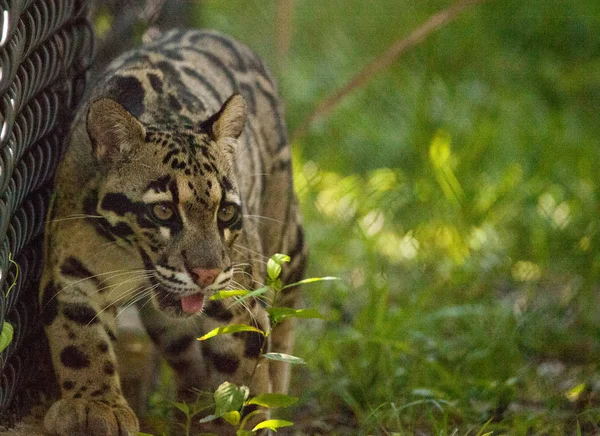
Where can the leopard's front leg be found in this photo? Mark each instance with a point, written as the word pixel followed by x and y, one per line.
pixel 82 341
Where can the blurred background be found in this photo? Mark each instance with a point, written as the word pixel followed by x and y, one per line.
pixel 456 194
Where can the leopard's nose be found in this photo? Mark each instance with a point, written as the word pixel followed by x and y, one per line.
pixel 205 277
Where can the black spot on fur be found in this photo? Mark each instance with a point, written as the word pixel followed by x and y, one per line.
pixel 122 230
pixel 225 363
pixel 178 346
pixel 109 368
pixel 249 409
pixel 103 347
pixel 49 304
pixel 174 103
pixel 72 357
pixel 172 54
pixel 80 313
pixel 180 365
pixel 282 133
pixel 103 390
pixel 77 395
pixel 226 183
pixel 110 333
pixel 155 82
pixel 169 155
pixel 205 83
pixel 160 184
pixel 68 385
pixel 75 268
pixel 90 202
pixel 129 92
pixel 216 310
pixel 254 343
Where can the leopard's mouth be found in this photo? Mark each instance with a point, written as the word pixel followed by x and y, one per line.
pixel 180 305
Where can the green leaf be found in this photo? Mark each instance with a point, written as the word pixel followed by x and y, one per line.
pixel 284 358
pixel 227 294
pixel 139 433
pixel 232 417
pixel 255 293
pixel 311 280
pixel 183 407
pixel 278 314
pixel 244 433
pixel 230 329
pixel 274 265
pixel 272 424
pixel 273 400
pixel 229 397
pixel 6 335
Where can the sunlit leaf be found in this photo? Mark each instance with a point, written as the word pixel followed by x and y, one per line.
pixel 6 335
pixel 273 400
pixel 232 417
pixel 229 397
pixel 574 393
pixel 272 424
pixel 220 295
pixel 278 314
pixel 274 265
pixel 284 358
pixel 311 280
pixel 230 329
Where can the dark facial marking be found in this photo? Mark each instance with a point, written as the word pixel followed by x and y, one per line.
pixel 68 385
pixel 73 357
pixel 80 313
pixel 160 184
pixel 75 268
pixel 119 204
pixel 103 347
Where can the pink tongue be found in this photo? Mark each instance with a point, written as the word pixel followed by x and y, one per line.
pixel 192 303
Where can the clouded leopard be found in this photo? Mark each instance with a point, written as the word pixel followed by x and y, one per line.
pixel 176 182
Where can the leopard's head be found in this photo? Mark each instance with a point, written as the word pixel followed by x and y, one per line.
pixel 169 195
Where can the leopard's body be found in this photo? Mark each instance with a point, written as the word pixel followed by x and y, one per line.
pixel 172 187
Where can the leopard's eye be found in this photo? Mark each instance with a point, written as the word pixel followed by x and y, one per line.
pixel 228 213
pixel 163 211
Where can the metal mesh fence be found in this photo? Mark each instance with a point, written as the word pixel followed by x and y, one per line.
pixel 45 49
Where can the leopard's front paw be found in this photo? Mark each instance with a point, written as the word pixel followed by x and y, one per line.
pixel 78 417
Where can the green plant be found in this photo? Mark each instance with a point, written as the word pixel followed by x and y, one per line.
pixel 229 400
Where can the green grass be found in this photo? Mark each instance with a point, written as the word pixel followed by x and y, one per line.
pixel 457 196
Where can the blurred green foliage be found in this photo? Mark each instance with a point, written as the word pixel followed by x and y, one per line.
pixel 457 195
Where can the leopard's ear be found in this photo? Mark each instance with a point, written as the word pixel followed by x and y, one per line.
pixel 229 121
pixel 112 129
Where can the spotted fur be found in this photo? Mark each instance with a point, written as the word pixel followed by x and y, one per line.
pixel 176 183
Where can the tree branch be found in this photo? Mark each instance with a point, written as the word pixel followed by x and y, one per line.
pixel 384 61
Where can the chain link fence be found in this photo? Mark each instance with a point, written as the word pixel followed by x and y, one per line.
pixel 46 48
